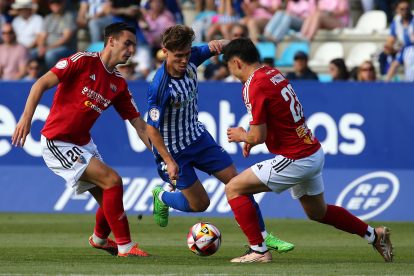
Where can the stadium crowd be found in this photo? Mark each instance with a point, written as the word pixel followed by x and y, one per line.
pixel 35 34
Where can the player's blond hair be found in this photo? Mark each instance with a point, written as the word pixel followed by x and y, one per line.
pixel 177 37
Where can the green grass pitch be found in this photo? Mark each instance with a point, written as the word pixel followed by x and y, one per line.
pixel 51 244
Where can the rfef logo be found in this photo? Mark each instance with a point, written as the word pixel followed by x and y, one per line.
pixel 370 194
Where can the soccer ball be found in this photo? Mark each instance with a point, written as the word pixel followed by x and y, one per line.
pixel 204 239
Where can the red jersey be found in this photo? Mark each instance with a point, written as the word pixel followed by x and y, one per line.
pixel 85 90
pixel 270 99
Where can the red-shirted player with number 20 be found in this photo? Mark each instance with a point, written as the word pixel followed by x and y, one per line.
pixel 276 118
pixel 88 83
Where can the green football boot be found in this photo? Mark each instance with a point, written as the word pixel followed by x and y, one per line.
pixel 161 211
pixel 278 245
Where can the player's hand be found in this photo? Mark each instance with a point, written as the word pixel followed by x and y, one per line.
pixel 215 47
pixel 235 134
pixel 172 188
pixel 172 170
pixel 246 149
pixel 20 132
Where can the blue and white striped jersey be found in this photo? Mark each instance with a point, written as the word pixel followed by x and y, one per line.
pixel 172 103
pixel 406 57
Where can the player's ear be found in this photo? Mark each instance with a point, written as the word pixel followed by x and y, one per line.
pixel 111 41
pixel 164 50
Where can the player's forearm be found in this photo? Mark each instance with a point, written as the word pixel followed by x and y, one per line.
pixel 141 127
pixel 158 142
pixel 391 70
pixel 33 100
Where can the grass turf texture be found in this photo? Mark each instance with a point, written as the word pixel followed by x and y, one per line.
pixel 58 244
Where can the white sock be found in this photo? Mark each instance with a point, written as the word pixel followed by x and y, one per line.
pixel 99 241
pixel 370 235
pixel 264 234
pixel 125 248
pixel 261 247
pixel 160 196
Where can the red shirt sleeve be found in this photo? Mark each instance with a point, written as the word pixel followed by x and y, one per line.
pixel 125 105
pixel 66 68
pixel 256 107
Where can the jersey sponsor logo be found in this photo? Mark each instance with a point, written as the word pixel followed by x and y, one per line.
pixel 270 71
pixel 369 195
pixel 93 77
pixel 276 79
pixel 113 87
pixel 94 107
pixel 154 114
pixel 184 103
pixel 81 159
pixel 62 64
pixel 302 130
pixel 95 96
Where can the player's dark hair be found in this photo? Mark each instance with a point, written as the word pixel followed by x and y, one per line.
pixel 115 30
pixel 242 48
pixel 177 37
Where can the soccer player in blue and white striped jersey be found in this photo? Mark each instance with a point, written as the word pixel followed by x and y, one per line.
pixel 179 140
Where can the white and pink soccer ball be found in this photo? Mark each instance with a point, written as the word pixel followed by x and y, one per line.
pixel 204 239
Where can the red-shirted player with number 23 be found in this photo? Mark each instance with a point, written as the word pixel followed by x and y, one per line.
pixel 88 83
pixel 276 118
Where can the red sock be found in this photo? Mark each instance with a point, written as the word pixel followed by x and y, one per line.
pixel 343 220
pixel 113 208
pixel 246 217
pixel 102 229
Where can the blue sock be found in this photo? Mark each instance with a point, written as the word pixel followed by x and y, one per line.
pixel 177 201
pixel 259 213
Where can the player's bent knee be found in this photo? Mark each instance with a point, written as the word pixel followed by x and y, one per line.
pixel 114 180
pixel 314 216
pixel 231 190
pixel 201 205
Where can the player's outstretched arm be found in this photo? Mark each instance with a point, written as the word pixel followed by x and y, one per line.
pixel 256 135
pixel 217 46
pixel 22 129
pixel 391 70
pixel 141 127
pixel 158 142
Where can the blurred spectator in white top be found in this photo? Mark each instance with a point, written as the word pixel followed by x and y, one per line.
pixel 142 57
pixel 292 18
pixel 91 13
pixel 13 56
pixel 4 15
pixel 33 70
pixel 127 70
pixel 159 60
pixel 229 12
pixel 366 72
pixel 402 27
pixel 329 15
pixel 406 57
pixel 27 25
pixel 258 14
pixel 156 20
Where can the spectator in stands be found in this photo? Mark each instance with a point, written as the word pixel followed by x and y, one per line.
pixel 212 68
pixel 58 38
pixel 127 70
pixel 33 70
pixel 402 27
pixel 229 12
pixel 258 14
pixel 294 16
pixel 406 57
pixel 4 15
pixel 205 5
pixel 127 11
pixel 269 62
pixel 155 21
pixel 302 71
pixel 238 30
pixel 329 15
pixel 143 58
pixel 27 25
pixel 13 56
pixel 174 6
pixel 385 5
pixel 386 58
pixel 159 60
pixel 92 14
pixel 366 72
pixel 337 70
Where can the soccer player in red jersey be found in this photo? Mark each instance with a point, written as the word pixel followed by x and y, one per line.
pixel 88 83
pixel 277 119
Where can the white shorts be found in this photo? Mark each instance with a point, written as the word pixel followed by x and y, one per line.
pixel 301 176
pixel 69 161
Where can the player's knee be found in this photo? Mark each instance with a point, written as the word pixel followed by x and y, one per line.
pixel 314 216
pixel 231 190
pixel 114 180
pixel 201 205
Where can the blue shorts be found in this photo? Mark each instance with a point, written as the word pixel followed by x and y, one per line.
pixel 205 155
